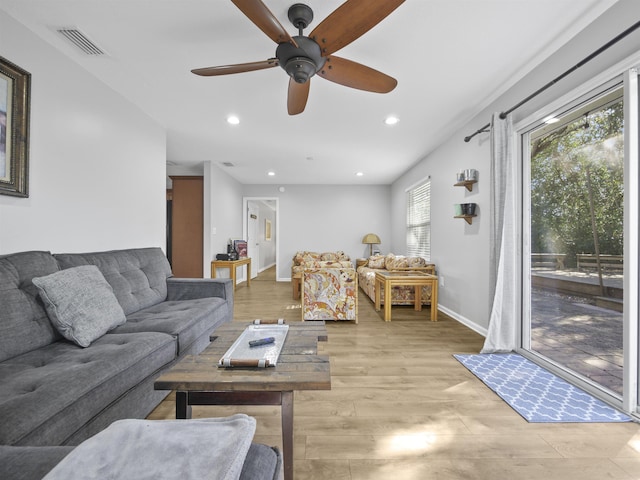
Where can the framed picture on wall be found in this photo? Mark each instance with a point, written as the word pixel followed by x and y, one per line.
pixel 15 84
pixel 267 230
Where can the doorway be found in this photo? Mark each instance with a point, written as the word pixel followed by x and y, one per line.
pixel 261 227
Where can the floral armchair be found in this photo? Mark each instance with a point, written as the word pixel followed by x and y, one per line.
pixel 400 295
pixel 330 294
pixel 302 260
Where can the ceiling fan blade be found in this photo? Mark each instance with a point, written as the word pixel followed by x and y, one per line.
pixel 262 17
pixel 238 68
pixel 354 75
pixel 297 96
pixel 350 21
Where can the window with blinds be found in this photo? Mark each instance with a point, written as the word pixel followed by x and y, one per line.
pixel 419 220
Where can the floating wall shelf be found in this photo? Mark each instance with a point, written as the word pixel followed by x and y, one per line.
pixel 466 183
pixel 467 218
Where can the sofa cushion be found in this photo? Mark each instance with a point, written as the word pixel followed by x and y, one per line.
pixel 186 320
pixel 138 276
pixel 303 256
pixel 337 256
pixel 24 322
pixel 393 262
pixel 29 463
pixel 376 261
pixel 80 303
pixel 315 264
pixel 50 393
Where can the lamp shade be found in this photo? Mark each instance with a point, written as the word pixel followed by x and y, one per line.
pixel 371 238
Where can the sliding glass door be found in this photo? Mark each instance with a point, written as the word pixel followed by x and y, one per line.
pixel 576 238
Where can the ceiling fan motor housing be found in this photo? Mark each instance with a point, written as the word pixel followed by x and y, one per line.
pixel 303 62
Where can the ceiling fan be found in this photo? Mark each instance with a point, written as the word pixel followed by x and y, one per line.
pixel 303 57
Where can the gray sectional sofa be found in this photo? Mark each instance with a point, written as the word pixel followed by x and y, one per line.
pixel 63 378
pixel 54 392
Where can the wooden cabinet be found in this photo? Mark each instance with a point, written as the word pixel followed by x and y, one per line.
pixel 186 226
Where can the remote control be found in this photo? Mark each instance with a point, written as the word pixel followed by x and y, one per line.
pixel 262 341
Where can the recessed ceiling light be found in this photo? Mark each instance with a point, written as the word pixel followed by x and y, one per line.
pixel 233 120
pixel 391 120
pixel 271 174
pixel 359 174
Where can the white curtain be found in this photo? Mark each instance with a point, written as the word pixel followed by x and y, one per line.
pixel 502 331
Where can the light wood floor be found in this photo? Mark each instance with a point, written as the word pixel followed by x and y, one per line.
pixel 402 408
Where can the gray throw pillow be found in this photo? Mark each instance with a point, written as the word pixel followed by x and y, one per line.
pixel 80 303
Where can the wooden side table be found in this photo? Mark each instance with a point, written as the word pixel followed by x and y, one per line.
pixel 387 279
pixel 232 265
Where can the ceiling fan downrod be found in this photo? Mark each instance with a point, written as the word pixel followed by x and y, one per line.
pixel 300 15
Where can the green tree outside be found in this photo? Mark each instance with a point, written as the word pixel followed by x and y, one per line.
pixel 560 164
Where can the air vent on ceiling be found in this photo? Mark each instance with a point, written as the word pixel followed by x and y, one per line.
pixel 81 41
pixel 228 164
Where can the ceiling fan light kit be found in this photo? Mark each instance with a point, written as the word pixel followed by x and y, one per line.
pixel 302 56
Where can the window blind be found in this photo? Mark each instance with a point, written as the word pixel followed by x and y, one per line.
pixel 419 220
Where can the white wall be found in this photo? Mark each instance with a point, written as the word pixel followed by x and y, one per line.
pixel 222 214
pixel 327 218
pixel 97 163
pixel 461 251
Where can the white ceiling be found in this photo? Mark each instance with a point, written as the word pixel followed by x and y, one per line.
pixel 450 57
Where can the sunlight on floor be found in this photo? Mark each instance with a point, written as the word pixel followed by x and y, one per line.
pixel 634 443
pixel 294 307
pixel 405 443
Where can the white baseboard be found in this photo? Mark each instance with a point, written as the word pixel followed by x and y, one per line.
pixel 266 268
pixel 463 320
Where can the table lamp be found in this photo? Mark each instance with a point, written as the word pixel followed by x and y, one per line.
pixel 371 239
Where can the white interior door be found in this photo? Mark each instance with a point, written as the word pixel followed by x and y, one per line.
pixel 253 237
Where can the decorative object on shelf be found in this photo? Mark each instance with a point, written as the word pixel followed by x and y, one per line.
pixel 371 239
pixel 466 178
pixel 468 209
pixel 470 174
pixel 468 212
pixel 15 90
pixel 240 246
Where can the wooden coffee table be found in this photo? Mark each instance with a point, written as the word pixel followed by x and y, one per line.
pixel 387 279
pixel 198 381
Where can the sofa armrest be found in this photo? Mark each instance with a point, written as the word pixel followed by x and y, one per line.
pixel 191 288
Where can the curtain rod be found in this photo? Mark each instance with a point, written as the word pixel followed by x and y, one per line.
pixel 587 59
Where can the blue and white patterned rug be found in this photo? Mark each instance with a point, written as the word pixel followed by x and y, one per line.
pixel 536 394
